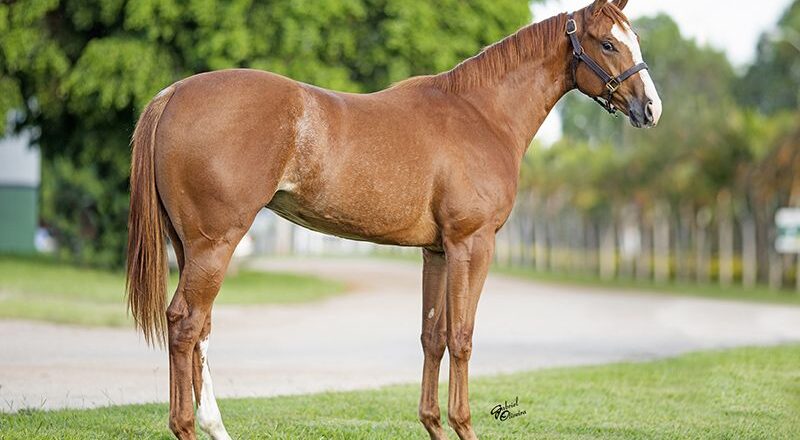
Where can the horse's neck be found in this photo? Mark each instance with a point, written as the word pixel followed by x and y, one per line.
pixel 521 100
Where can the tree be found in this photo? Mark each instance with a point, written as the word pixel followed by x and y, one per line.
pixel 79 71
pixel 706 183
pixel 683 156
pixel 772 82
pixel 661 179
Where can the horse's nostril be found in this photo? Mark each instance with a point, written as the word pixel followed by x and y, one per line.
pixel 648 111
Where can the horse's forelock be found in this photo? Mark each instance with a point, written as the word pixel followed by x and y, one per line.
pixel 612 11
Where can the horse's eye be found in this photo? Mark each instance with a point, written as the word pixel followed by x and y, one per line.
pixel 608 46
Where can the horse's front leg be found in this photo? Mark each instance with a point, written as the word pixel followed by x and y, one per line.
pixel 434 338
pixel 468 262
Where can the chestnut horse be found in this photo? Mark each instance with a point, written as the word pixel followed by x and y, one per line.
pixel 431 162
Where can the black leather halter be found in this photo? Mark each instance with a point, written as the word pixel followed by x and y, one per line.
pixel 612 83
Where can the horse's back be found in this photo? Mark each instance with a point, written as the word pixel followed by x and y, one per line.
pixel 360 166
pixel 345 164
pixel 231 103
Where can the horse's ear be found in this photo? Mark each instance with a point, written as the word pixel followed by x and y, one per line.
pixel 597 6
pixel 620 4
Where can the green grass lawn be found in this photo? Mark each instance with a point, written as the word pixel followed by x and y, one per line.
pixel 751 393
pixel 41 289
pixel 715 291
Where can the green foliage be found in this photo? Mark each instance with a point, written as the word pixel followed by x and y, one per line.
pixel 772 82
pixel 81 70
pixel 749 393
pixel 704 143
pixel 694 83
pixel 724 157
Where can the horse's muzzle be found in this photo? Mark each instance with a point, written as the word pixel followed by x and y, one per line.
pixel 642 113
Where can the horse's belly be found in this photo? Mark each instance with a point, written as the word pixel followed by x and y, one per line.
pixel 365 220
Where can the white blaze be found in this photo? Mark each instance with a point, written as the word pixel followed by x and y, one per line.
pixel 208 415
pixel 627 37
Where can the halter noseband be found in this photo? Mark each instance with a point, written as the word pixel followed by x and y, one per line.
pixel 612 82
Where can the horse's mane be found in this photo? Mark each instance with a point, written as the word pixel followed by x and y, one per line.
pixel 495 61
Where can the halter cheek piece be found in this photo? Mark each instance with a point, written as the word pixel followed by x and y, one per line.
pixel 612 82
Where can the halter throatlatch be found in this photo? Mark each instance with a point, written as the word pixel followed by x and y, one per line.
pixel 612 83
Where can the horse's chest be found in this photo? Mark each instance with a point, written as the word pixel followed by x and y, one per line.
pixel 478 198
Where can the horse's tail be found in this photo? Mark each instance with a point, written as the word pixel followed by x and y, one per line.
pixel 147 257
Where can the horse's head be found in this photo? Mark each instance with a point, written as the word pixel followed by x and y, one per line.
pixel 608 64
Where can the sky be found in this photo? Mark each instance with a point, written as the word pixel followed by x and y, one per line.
pixel 721 24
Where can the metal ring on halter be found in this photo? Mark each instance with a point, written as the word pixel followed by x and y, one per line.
pixel 612 83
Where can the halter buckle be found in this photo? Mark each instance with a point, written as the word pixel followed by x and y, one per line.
pixel 572 26
pixel 613 85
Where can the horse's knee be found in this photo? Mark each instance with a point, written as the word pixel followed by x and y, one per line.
pixel 430 417
pixel 459 345
pixel 433 344
pixel 459 420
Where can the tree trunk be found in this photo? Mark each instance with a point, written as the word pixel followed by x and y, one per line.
pixel 580 243
pixel 702 246
pixel 661 248
pixel 775 271
pixel 284 237
pixel 540 232
pixel 630 241
pixel 644 261
pixel 725 224
pixel 552 244
pixel 749 251
pixel 797 273
pixel 764 240
pixel 524 223
pixel 684 253
pixel 512 243
pixel 502 254
pixel 568 234
pixel 590 247
pixel 608 252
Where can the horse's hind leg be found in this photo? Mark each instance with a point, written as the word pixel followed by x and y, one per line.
pixel 188 317
pixel 208 415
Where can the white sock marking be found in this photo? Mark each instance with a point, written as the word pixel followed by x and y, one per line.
pixel 208 415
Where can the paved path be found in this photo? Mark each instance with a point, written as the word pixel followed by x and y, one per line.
pixel 370 337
